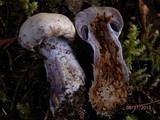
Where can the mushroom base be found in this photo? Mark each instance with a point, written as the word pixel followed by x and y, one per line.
pixel 109 91
pixel 74 109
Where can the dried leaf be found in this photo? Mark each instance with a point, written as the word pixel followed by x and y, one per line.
pixel 144 12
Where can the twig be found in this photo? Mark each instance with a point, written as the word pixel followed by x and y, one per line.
pixel 5 113
pixel 149 103
pixel 9 59
pixel 2 79
pixel 25 95
pixel 40 100
pixel 15 93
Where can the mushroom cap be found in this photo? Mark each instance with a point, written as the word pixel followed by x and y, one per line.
pixel 38 27
pixel 84 19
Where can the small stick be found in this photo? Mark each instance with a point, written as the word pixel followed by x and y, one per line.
pixel 5 113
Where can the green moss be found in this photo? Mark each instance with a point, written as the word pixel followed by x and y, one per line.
pixel 3 96
pixel 131 117
pixel 29 7
pixel 142 56
pixel 24 110
pixel 139 79
pixel 152 53
pixel 95 2
pixel 146 48
pixel 132 47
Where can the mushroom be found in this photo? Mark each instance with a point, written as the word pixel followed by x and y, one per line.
pixel 51 33
pixel 101 27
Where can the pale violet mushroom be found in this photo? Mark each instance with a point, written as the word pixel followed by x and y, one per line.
pixel 101 27
pixel 50 33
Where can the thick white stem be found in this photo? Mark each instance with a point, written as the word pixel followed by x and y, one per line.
pixel 63 71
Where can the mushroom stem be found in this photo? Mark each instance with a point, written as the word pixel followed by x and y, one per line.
pixel 63 71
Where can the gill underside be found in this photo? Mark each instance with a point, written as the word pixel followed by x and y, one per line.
pixel 108 91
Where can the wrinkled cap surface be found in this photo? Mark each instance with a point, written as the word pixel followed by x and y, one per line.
pixel 37 28
pixel 86 17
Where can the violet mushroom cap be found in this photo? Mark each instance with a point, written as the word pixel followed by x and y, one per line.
pixel 37 28
pixel 101 27
pixel 51 33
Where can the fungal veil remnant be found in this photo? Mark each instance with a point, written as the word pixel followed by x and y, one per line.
pixel 50 33
pixel 101 27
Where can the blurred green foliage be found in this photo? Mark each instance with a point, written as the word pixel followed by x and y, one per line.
pixel 24 111
pixel 29 7
pixel 95 2
pixel 3 96
pixel 130 117
pixel 2 2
